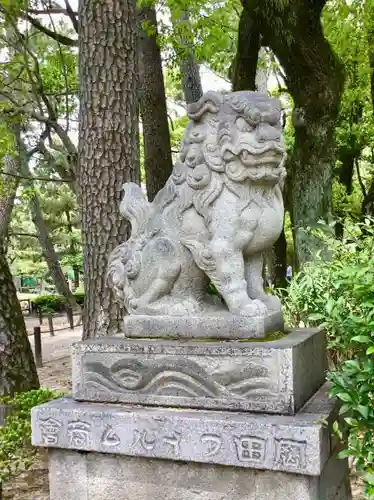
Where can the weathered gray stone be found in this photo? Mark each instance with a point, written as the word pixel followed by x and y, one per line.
pixel 272 377
pixel 296 444
pixel 222 325
pixel 219 211
pixel 93 476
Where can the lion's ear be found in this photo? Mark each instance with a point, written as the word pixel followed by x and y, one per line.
pixel 210 101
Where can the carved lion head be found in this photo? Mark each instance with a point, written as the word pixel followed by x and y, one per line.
pixel 236 135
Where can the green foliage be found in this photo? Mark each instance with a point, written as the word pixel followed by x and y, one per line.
pixel 60 210
pixel 177 132
pixel 16 452
pixel 347 25
pixel 339 295
pixel 55 303
pixel 353 385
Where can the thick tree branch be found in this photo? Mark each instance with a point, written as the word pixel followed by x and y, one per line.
pixel 26 235
pixel 34 178
pixel 52 10
pixel 359 178
pixel 72 15
pixel 64 40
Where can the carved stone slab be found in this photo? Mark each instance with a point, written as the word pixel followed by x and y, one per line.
pixel 219 326
pixel 271 377
pixel 299 444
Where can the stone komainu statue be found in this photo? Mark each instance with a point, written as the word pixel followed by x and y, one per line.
pixel 219 211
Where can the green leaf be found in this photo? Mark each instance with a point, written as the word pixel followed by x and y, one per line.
pixel 364 410
pixel 344 396
pixel 344 453
pixel 351 421
pixel 370 350
pixel 362 339
pixel 369 477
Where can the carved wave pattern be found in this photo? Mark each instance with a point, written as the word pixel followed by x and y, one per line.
pixel 179 377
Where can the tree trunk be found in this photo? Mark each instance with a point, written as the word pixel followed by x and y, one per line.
pixel 279 256
pixel 17 367
pixel 76 276
pixel 244 67
pixel 191 81
pixel 367 206
pixel 73 248
pixel 44 237
pixel 108 145
pixel 157 150
pixel 347 159
pixel 49 253
pixel 368 15
pixel 8 189
pixel 192 87
pixel 315 79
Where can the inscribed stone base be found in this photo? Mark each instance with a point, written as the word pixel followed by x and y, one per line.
pixel 93 476
pixel 222 325
pixel 273 376
pixel 294 444
pixel 123 452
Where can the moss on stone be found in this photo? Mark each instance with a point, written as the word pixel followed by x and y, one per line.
pixel 271 337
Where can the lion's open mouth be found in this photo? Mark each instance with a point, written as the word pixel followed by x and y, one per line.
pixel 267 156
pixel 271 154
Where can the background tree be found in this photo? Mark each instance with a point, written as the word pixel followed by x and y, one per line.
pixel 17 367
pixel 108 145
pixel 155 125
pixel 314 77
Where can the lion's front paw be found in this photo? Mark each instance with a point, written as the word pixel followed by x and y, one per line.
pixel 254 308
pixel 271 302
pixel 242 305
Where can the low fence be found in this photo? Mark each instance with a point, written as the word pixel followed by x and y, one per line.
pixel 37 334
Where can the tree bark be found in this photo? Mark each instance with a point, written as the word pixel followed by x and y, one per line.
pixel 157 149
pixel 76 276
pixel 347 159
pixel 8 189
pixel 191 80
pixel 315 79
pixel 367 206
pixel 244 67
pixel 369 24
pixel 108 145
pixel 17 367
pixel 73 248
pixel 279 257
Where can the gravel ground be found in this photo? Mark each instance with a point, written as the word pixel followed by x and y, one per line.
pixel 56 373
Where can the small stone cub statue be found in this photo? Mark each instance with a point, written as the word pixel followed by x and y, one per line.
pixel 219 211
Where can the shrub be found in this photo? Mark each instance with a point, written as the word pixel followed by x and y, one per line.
pixel 50 303
pixel 16 452
pixel 339 295
pixel 55 303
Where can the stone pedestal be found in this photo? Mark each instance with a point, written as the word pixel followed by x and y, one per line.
pixel 154 419
pixel 104 452
pixel 270 376
pixel 93 476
